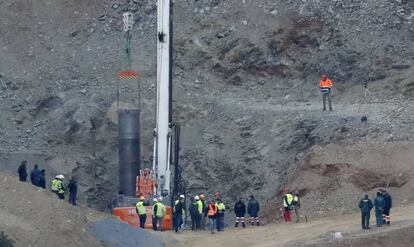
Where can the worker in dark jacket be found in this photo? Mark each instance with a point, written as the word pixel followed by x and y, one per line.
pixel 22 171
pixel 73 190
pixel 365 205
pixel 253 208
pixel 42 179
pixel 379 204
pixel 179 209
pixel 387 207
pixel 193 214
pixel 240 211
pixel 34 175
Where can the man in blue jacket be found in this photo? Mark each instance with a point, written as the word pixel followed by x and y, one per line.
pixel 365 205
pixel 379 203
pixel 253 208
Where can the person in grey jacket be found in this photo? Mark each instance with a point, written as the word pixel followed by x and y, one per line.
pixel 365 205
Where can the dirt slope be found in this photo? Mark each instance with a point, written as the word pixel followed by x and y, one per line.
pixel 316 232
pixel 35 217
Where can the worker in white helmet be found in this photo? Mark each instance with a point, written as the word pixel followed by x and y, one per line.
pixel 179 212
pixel 200 212
pixel 158 213
pixel 58 186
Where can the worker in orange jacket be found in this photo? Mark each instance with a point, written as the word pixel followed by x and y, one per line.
pixel 325 86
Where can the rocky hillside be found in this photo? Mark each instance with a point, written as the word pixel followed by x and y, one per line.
pixel 245 85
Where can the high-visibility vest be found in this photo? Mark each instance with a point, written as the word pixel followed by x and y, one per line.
pixel 141 208
pixel 287 200
pixel 54 186
pixel 221 207
pixel 326 83
pixel 200 207
pixel 57 186
pixel 160 210
pixel 212 210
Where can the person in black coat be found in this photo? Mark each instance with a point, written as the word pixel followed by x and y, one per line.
pixel 22 171
pixel 240 211
pixel 73 189
pixel 35 175
pixel 387 207
pixel 42 179
pixel 253 208
pixel 365 205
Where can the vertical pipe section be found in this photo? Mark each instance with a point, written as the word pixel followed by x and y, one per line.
pixel 163 95
pixel 129 152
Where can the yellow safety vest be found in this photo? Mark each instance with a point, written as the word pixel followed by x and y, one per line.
pixel 200 207
pixel 57 186
pixel 221 207
pixel 287 200
pixel 161 210
pixel 141 208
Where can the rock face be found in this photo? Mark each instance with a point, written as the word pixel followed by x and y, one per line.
pixel 245 85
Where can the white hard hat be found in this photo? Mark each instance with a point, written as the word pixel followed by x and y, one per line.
pixel 160 199
pixel 182 196
pixel 196 198
pixel 60 176
pixel 155 200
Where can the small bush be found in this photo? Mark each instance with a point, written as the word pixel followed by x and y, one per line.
pixel 5 241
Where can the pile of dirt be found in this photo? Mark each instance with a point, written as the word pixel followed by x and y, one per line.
pixel 35 217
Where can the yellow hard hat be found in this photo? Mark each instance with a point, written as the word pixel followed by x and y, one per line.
pixel 202 196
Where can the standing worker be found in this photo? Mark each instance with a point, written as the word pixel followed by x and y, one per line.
pixel 240 211
pixel 199 212
pixel 379 203
pixel 141 211
pixel 193 213
pixel 387 207
pixel 158 211
pixel 73 190
pixel 179 211
pixel 296 204
pixel 42 179
pixel 58 187
pixel 253 208
pixel 287 205
pixel 212 215
pixel 22 171
pixel 221 208
pixel 154 214
pixel 204 214
pixel 365 205
pixel 325 86
pixel 34 175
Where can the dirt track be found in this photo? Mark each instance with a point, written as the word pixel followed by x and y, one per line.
pixel 316 233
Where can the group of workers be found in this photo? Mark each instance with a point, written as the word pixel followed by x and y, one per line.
pixel 382 204
pixel 38 178
pixel 199 210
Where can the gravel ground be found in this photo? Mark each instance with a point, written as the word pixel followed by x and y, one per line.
pixel 115 233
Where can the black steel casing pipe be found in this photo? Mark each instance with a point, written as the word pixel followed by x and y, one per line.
pixel 129 151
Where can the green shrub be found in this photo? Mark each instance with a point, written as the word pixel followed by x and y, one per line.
pixel 5 241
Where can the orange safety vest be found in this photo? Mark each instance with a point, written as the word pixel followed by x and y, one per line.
pixel 212 210
pixel 326 83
